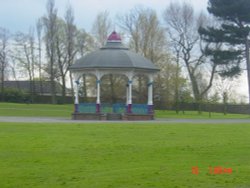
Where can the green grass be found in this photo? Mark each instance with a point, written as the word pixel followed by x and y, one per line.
pixel 107 155
pixel 47 110
pixel 33 110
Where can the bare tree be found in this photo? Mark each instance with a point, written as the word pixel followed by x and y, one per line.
pixel 227 89
pixel 147 37
pixel 50 29
pixel 31 40
pixel 71 36
pixel 102 27
pixel 66 49
pixel 14 69
pixel 84 43
pixel 182 26
pixel 4 37
pixel 130 23
pixel 61 55
pixel 25 55
pixel 39 27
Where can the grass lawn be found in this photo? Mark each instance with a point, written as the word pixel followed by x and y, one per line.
pixel 123 155
pixel 33 110
pixel 47 110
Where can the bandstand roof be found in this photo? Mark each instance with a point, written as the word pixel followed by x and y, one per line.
pixel 113 56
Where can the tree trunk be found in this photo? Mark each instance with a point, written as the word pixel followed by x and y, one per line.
pixel 53 94
pixel 248 68
pixel 40 67
pixel 31 89
pixel 63 89
pixel 195 88
pixel 2 83
pixel 196 92
pixel 177 87
pixel 52 81
pixel 72 85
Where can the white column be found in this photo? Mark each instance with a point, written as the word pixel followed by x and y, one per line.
pixel 130 92
pixel 150 95
pixel 76 95
pixel 129 105
pixel 98 91
pixel 127 94
pixel 98 100
pixel 150 91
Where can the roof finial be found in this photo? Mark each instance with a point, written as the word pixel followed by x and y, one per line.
pixel 114 37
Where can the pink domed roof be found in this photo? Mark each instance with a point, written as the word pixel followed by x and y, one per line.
pixel 114 37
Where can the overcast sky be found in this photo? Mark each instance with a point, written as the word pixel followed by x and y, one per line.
pixel 19 15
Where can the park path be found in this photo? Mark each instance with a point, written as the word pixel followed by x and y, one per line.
pixel 159 120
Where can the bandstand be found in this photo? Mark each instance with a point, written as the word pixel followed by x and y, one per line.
pixel 113 58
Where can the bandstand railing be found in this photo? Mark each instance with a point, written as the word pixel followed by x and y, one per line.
pixel 87 108
pixel 139 109
pixel 106 108
pixel 113 108
pixel 119 108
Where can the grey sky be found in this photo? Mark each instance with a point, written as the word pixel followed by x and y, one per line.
pixel 19 15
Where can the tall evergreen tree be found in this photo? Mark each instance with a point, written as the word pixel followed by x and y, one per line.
pixel 232 36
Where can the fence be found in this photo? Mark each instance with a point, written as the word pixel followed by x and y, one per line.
pixel 206 107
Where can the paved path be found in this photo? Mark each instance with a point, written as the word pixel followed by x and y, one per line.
pixel 162 120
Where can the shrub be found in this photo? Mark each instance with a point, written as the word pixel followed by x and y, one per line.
pixel 14 95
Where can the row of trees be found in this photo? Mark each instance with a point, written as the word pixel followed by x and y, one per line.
pixel 191 49
pixel 45 52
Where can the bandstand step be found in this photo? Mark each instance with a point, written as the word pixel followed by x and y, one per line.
pixel 113 116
